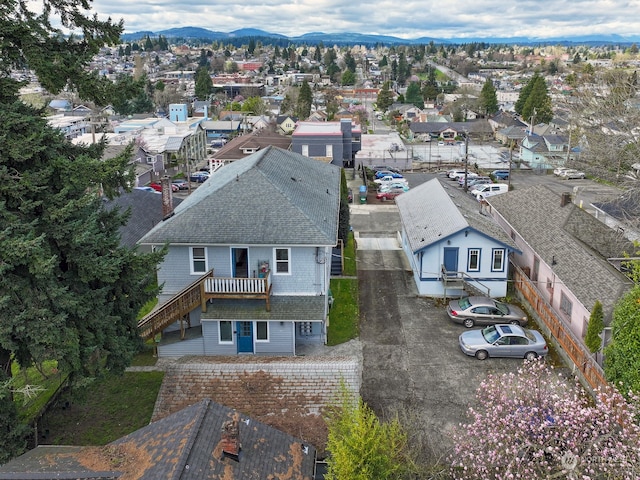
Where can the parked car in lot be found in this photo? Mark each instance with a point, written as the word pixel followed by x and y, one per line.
pixel 571 174
pixel 388 179
pixel 386 173
pixel 478 181
pixel 503 341
pixel 390 192
pixel 470 177
pixel 158 187
pixel 500 174
pixel 199 177
pixel 146 189
pixel 558 171
pixel 470 311
pixel 454 174
pixel 488 190
pixel 377 168
pixel 182 184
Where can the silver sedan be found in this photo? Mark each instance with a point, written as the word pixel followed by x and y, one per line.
pixel 503 341
pixel 470 311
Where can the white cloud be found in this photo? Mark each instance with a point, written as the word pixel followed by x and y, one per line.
pixel 410 19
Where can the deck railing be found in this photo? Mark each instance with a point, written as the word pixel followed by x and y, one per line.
pixel 194 295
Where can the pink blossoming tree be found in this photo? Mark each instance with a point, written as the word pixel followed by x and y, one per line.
pixel 534 424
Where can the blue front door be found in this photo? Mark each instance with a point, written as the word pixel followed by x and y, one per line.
pixel 245 337
pixel 451 259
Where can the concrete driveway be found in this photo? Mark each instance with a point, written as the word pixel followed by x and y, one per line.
pixel 411 358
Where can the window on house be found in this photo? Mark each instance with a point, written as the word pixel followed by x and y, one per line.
pixel 329 151
pixel 262 331
pixel 305 150
pixel 305 328
pixel 550 285
pixel 198 260
pixel 473 262
pixel 565 305
pixel 282 261
pixel 226 332
pixel 497 265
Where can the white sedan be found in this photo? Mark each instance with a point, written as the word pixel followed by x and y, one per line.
pixel 571 173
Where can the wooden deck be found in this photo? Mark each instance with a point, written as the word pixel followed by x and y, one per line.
pixel 196 295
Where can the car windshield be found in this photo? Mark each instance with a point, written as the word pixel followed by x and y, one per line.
pixel 504 309
pixel 464 303
pixel 490 334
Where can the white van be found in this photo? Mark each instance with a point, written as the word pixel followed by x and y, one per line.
pixel 489 189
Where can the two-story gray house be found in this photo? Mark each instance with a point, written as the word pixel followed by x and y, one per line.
pixel 249 258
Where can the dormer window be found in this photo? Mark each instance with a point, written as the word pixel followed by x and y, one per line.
pixel 248 151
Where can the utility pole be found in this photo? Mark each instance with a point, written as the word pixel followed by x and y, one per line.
pixel 466 160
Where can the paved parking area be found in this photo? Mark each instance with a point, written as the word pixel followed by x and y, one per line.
pixel 411 358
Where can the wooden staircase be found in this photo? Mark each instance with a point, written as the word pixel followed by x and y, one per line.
pixel 461 281
pixel 197 294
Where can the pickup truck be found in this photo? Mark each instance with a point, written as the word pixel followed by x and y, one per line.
pixel 388 179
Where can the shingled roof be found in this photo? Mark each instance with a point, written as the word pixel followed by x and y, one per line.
pixel 187 445
pixel 438 209
pixel 273 197
pixel 575 242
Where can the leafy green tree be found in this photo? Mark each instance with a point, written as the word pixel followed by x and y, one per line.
pixel 414 95
pixel 385 97
pixel 348 78
pixel 524 94
pixel 594 329
pixel 68 291
pixel 305 99
pixel 622 355
pixel 204 84
pixel 361 446
pixel 254 105
pixel 488 98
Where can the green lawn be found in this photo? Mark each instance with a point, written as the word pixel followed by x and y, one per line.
pixel 350 268
pixel 103 411
pixel 344 315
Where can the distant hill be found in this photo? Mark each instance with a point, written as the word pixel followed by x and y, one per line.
pixel 350 38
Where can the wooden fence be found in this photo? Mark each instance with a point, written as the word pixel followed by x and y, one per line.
pixel 575 349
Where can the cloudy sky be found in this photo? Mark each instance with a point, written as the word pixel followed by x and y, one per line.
pixel 405 19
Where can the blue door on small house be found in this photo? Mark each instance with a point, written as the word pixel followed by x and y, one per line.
pixel 245 337
pixel 451 259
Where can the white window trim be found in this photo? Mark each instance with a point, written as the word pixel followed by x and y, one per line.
pixel 255 325
pixel 191 260
pixel 275 261
pixel 493 259
pixel 469 269
pixel 305 150
pixel 225 342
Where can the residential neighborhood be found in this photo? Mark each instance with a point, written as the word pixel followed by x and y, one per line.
pixel 291 193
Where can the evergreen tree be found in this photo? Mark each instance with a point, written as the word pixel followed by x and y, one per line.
pixel 414 95
pixel 350 62
pixel 488 98
pixel 68 291
pixel 384 62
pixel 524 94
pixel 538 105
pixel 594 328
pixel 348 78
pixel 252 46
pixel 204 84
pixel 305 98
pixel 404 70
pixel 148 44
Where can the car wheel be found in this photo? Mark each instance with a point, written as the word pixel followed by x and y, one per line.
pixel 468 322
pixel 530 356
pixel 514 322
pixel 482 355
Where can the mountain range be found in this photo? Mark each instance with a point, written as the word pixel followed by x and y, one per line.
pixel 197 33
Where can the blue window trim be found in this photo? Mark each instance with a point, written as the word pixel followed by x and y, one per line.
pixel 469 250
pixel 493 256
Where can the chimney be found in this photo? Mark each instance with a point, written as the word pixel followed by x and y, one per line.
pixel 231 439
pixel 167 197
pixel 565 199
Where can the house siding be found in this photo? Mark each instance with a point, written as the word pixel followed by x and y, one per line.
pixel 427 264
pixel 308 275
pixel 193 346
pixel 281 340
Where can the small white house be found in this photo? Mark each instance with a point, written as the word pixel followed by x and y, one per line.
pixel 453 246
